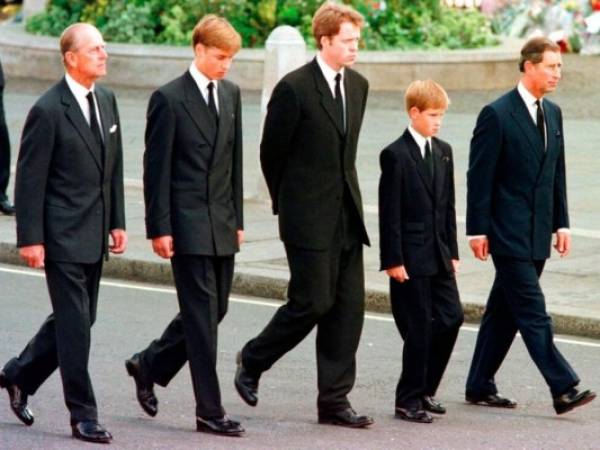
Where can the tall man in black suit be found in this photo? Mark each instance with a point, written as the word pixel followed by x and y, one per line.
pixel 193 194
pixel 516 199
pixel 308 153
pixel 69 197
pixel 5 206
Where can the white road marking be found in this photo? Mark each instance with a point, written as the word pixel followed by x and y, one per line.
pixel 268 303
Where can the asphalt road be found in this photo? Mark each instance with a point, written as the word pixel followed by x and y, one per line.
pixel 130 315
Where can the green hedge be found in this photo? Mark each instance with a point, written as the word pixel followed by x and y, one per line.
pixel 402 24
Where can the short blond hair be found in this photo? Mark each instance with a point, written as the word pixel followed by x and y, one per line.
pixel 329 18
pixel 215 31
pixel 425 94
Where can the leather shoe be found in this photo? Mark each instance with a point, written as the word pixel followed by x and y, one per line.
pixel 7 207
pixel 413 414
pixel 345 418
pixel 572 399
pixel 91 431
pixel 245 384
pixel 223 426
pixel 18 400
pixel 144 389
pixel 495 400
pixel 432 405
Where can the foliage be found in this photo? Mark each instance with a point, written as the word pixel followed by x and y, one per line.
pixel 391 24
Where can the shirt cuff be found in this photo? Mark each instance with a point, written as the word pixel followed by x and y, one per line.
pixel 478 236
pixel 563 230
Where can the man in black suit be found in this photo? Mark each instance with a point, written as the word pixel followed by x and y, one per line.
pixel 308 153
pixel 418 249
pixel 193 194
pixel 69 197
pixel 5 206
pixel 516 199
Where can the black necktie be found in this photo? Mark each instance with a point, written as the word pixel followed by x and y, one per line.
pixel 428 159
pixel 94 124
pixel 212 106
pixel 540 121
pixel 339 100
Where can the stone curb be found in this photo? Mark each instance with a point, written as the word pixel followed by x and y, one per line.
pixel 275 288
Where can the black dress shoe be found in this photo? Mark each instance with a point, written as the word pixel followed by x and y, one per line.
pixel 413 414
pixel 223 426
pixel 144 389
pixel 345 418
pixel 432 405
pixel 572 399
pixel 245 384
pixel 91 431
pixel 18 400
pixel 7 207
pixel 495 400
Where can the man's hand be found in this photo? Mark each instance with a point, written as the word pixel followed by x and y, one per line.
pixel 398 273
pixel 119 241
pixel 563 243
pixel 33 255
pixel 480 247
pixel 240 237
pixel 163 246
pixel 455 265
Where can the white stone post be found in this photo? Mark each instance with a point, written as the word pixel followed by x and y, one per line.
pixel 285 50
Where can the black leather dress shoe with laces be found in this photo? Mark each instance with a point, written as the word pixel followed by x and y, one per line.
pixel 345 418
pixel 432 405
pixel 245 384
pixel 223 426
pixel 494 400
pixel 18 400
pixel 144 388
pixel 91 431
pixel 572 399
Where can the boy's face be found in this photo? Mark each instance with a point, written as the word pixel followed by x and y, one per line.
pixel 213 62
pixel 428 121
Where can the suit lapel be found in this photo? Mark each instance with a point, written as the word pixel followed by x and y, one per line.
pixel 415 153
pixel 553 137
pixel 197 109
pixel 327 100
pixel 523 119
pixel 225 119
pixel 439 169
pixel 77 119
pixel 107 122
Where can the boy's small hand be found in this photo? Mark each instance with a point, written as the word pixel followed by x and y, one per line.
pixel 398 273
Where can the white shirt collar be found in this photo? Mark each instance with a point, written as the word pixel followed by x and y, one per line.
pixel 527 96
pixel 202 83
pixel 419 139
pixel 78 90
pixel 330 74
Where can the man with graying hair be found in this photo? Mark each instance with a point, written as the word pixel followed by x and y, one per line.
pixel 70 215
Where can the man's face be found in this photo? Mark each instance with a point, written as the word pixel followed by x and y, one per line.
pixel 341 49
pixel 545 75
pixel 213 62
pixel 428 121
pixel 87 61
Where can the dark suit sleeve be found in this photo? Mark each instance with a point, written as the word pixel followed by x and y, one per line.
pixel 237 171
pixel 451 209
pixel 390 211
pixel 117 191
pixel 561 210
pixel 35 155
pixel 283 113
pixel 159 137
pixel 483 157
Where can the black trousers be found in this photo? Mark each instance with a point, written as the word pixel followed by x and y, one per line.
pixel 428 314
pixel 64 338
pixel 326 290
pixel 516 303
pixel 203 285
pixel 4 149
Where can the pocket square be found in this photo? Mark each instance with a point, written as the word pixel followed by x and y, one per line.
pixel 113 128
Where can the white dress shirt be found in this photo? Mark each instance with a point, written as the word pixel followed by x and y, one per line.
pixel 330 75
pixel 530 100
pixel 202 83
pixel 420 140
pixel 80 93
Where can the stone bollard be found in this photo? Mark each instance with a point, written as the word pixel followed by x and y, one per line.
pixel 31 7
pixel 285 50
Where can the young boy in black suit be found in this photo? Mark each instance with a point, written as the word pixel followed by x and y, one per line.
pixel 418 249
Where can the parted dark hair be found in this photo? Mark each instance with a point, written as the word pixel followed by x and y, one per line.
pixel 534 49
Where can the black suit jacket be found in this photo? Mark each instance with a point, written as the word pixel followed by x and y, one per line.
pixel 306 157
pixel 417 217
pixel 67 197
pixel 192 184
pixel 516 191
pixel 1 76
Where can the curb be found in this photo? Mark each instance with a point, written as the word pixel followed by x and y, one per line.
pixel 275 288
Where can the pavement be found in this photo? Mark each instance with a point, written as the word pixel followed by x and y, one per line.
pixel 571 285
